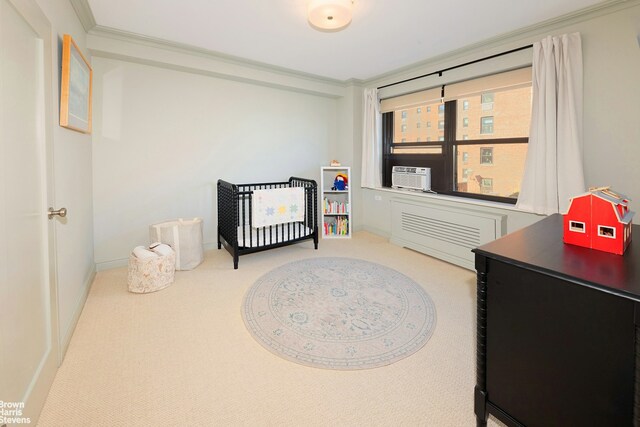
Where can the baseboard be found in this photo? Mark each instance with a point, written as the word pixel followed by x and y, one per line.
pixel 65 338
pixel 123 262
pixel 116 263
pixel 210 246
pixel 38 390
pixel 380 232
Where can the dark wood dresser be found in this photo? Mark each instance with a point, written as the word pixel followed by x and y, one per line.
pixel 557 331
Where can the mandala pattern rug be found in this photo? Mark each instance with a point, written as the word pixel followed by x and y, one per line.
pixel 339 313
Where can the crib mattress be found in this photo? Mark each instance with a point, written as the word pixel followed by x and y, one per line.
pixel 251 237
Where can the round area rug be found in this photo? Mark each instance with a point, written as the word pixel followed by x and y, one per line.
pixel 339 313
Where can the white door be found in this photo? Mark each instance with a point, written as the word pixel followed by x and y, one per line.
pixel 28 333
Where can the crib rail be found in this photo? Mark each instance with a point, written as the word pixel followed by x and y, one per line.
pixel 235 224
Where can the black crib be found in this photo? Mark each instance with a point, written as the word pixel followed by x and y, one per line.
pixel 235 229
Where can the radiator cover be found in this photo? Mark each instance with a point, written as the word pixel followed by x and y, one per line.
pixel 444 232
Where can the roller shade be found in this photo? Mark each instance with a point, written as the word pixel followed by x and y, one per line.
pixel 411 100
pixel 492 83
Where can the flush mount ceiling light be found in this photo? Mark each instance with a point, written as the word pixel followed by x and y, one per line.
pixel 330 15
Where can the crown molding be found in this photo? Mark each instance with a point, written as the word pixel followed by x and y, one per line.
pixel 84 13
pixel 354 82
pixel 120 45
pixel 503 41
pixel 183 48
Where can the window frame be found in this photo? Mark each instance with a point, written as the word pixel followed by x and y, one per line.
pixel 445 162
pixel 482 156
pixel 474 142
pixel 601 233
pixel 482 125
pixel 489 180
pixel 485 95
pixel 582 229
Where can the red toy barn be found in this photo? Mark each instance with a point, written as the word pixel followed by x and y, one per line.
pixel 599 219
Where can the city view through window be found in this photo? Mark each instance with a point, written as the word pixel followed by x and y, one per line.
pixel 487 159
pixel 494 169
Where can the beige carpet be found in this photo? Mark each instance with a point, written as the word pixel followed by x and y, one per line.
pixel 182 356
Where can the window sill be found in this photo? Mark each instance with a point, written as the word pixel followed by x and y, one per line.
pixel 454 199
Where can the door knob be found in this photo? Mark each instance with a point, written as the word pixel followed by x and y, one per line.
pixel 60 212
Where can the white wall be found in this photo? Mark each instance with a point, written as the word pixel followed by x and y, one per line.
pixel 611 109
pixel 611 101
pixel 163 137
pixel 73 190
pixel 348 146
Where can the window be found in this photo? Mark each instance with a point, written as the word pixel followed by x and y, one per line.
pixel 418 110
pixel 461 153
pixel 486 185
pixel 487 98
pixel 486 124
pixel 486 101
pixel 577 226
pixel 486 156
pixel 404 115
pixel 408 135
pixel 605 231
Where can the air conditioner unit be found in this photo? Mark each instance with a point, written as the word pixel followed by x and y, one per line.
pixel 412 178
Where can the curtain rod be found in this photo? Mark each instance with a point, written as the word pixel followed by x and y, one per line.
pixel 439 72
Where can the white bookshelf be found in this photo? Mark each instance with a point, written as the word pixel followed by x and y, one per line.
pixel 335 205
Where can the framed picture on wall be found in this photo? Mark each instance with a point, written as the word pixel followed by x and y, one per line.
pixel 75 88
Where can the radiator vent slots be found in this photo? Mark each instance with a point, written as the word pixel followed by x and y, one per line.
pixel 457 234
pixel 445 232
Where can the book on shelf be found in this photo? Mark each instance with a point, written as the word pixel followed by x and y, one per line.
pixel 339 227
pixel 335 207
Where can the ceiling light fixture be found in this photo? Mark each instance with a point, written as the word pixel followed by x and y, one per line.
pixel 330 15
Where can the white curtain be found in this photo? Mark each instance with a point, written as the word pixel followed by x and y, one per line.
pixel 553 169
pixel 371 141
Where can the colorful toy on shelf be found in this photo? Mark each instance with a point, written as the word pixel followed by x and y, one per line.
pixel 599 219
pixel 341 182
